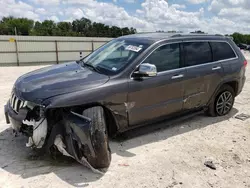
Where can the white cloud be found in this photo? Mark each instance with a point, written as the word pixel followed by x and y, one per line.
pixel 139 11
pixel 41 11
pixel 54 18
pixel 61 13
pixel 103 12
pixel 217 5
pixel 130 1
pixel 228 15
pixel 178 6
pixel 78 13
pixel 17 9
pixel 46 2
pixel 158 15
pixel 74 13
pixel 197 1
pixel 234 10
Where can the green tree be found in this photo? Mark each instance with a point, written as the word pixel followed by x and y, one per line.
pixel 46 28
pixel 198 32
pixel 64 29
pixel 79 27
pixel 239 38
pixel 22 25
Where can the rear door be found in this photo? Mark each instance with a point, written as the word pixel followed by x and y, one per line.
pixel 224 53
pixel 154 97
pixel 203 73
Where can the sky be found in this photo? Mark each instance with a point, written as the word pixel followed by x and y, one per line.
pixel 211 16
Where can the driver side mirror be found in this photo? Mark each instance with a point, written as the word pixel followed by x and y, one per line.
pixel 146 70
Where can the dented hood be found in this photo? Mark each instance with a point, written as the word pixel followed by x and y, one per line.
pixel 56 80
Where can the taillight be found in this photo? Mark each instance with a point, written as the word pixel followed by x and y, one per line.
pixel 245 63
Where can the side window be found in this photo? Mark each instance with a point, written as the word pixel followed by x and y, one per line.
pixel 222 50
pixel 197 53
pixel 166 57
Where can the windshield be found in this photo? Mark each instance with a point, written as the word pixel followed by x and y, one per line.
pixel 114 56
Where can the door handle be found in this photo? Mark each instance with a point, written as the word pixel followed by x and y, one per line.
pixel 177 76
pixel 216 68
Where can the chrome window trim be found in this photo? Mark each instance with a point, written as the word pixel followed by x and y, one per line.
pixel 182 68
pixel 236 55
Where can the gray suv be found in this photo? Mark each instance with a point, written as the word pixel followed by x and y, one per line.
pixel 131 81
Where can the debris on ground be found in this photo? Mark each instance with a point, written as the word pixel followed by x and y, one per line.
pixel 172 184
pixel 242 117
pixel 123 164
pixel 210 184
pixel 237 159
pixel 210 164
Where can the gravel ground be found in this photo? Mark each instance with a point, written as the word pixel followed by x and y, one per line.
pixel 170 156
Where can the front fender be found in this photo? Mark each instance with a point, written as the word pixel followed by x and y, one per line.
pixel 111 98
pixel 73 99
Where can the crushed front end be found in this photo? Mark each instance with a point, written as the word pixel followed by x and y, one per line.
pixel 66 131
pixel 27 118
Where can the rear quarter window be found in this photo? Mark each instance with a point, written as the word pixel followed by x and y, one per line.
pixel 222 51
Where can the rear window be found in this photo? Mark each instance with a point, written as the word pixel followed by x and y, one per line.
pixel 222 50
pixel 197 53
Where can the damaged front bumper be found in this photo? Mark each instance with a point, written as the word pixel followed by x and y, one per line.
pixel 36 130
pixel 13 118
pixel 71 136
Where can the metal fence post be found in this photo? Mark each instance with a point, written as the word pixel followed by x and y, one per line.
pixel 92 45
pixel 57 58
pixel 17 53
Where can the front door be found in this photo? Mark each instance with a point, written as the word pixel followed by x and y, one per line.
pixel 154 97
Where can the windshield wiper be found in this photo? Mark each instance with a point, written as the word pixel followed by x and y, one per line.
pixel 91 66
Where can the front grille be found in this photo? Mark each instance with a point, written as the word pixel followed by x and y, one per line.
pixel 16 103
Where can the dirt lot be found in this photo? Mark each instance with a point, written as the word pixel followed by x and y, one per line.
pixel 171 156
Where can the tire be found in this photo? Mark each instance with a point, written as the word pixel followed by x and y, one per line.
pixel 218 107
pixel 99 138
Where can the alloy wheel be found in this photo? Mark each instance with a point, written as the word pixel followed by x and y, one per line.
pixel 224 103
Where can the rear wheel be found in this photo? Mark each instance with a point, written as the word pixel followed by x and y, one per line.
pixel 223 102
pixel 99 138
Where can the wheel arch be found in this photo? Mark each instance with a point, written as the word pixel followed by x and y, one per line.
pixel 111 122
pixel 232 83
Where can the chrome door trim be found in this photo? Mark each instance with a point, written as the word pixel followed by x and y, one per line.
pixel 193 66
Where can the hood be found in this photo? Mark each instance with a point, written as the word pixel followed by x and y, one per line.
pixel 56 80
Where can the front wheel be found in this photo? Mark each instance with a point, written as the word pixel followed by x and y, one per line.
pixel 99 138
pixel 223 102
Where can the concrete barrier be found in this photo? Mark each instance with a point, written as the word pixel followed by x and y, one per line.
pixel 35 50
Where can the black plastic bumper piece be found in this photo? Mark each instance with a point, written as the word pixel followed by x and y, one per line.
pixel 76 132
pixel 6 114
pixel 13 118
pixel 78 128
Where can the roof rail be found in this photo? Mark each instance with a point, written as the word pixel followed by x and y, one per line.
pixel 177 35
pixel 195 34
pixel 219 35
